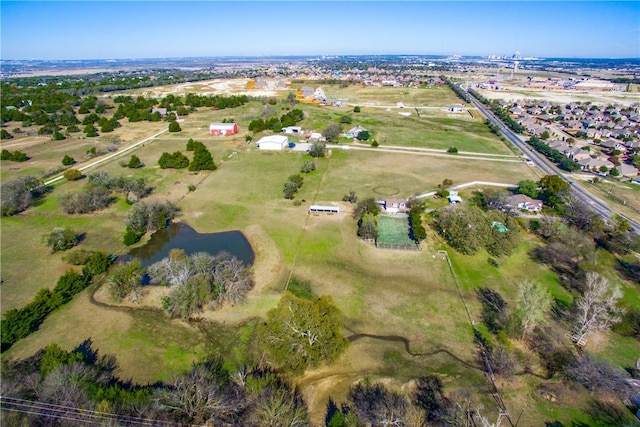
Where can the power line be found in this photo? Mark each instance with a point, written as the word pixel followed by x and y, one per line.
pixel 71 413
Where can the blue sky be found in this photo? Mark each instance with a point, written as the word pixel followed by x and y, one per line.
pixel 152 29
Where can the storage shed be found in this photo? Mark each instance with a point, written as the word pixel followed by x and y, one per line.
pixel 223 128
pixel 273 142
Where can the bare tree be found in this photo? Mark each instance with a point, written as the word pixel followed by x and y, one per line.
pixel 550 227
pixel 202 395
pixel 532 305
pixel 596 309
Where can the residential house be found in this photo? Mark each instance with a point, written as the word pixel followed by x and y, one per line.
pixel 354 132
pixel 577 154
pixel 395 206
pixel 595 164
pixel 523 202
pixel 612 144
pixel 627 170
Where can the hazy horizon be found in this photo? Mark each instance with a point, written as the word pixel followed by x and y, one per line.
pixel 95 30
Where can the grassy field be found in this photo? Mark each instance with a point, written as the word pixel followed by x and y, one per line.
pixel 390 294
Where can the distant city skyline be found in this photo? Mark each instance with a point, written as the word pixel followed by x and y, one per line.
pixel 53 30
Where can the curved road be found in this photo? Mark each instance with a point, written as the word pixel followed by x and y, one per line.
pixel 545 166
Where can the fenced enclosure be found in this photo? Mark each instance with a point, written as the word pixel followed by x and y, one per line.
pixel 393 233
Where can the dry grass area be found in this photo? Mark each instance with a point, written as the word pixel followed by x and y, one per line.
pixel 210 87
pixel 515 93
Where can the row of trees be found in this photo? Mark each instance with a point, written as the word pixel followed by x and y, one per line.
pixel 80 387
pixel 418 232
pixel 16 156
pixel 98 194
pixel 276 124
pixel 557 157
pixel 19 323
pixel 366 213
pixel 293 184
pixel 499 112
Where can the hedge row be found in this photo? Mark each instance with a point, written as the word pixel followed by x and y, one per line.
pixel 19 323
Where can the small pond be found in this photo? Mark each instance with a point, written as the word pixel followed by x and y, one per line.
pixel 180 236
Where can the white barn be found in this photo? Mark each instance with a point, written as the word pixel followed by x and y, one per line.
pixel 273 142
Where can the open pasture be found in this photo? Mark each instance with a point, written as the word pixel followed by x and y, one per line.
pixel 397 298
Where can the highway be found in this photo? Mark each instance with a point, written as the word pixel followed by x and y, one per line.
pixel 549 168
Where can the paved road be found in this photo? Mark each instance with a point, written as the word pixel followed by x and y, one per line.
pixel 109 157
pixel 548 168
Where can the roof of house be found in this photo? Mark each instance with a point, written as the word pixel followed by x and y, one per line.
pixel 222 125
pixel 277 139
pixel 627 170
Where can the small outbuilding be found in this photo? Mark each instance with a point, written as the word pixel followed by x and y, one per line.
pixel 273 142
pixel 318 209
pixel 223 128
pixel 454 198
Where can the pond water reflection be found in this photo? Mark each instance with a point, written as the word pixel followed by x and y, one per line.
pixel 180 236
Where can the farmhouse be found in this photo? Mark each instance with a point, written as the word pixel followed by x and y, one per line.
pixel 273 142
pixel 524 202
pixel 223 128
pixel 395 206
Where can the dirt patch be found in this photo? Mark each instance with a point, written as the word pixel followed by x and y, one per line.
pixel 213 87
pixel 562 97
pixel 268 265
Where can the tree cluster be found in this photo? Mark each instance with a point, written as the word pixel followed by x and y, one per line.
pixel 317 149
pixel 469 229
pixel 89 200
pixel 276 124
pixel 308 167
pixel 20 193
pixel 16 156
pixel 202 159
pixel 61 239
pixel 121 184
pixel 423 403
pixel 199 280
pixel 418 232
pixel 18 323
pixel 176 160
pixel 366 213
pixel 4 134
pixel 143 217
pixel 291 187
